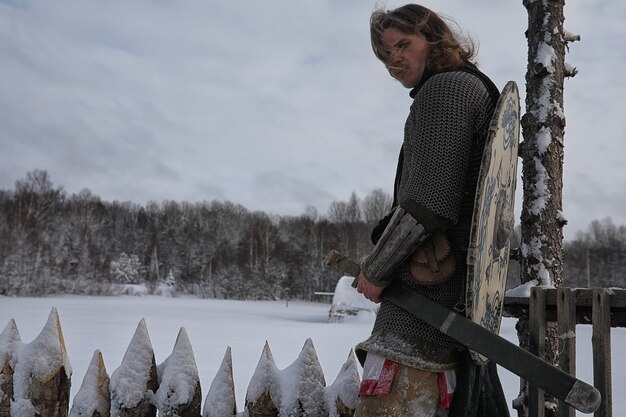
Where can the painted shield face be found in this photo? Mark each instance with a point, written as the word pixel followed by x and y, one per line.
pixel 408 56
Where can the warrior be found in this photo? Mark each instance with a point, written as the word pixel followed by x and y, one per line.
pixel 410 368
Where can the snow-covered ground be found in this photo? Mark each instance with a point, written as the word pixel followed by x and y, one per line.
pixel 108 324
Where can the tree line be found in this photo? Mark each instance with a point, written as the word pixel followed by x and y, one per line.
pixel 54 243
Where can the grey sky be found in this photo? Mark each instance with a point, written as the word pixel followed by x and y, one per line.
pixel 276 105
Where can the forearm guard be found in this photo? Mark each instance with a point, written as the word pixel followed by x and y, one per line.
pixel 399 240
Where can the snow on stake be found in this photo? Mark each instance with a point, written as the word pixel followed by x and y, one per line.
pixel 35 381
pixel 41 372
pixel 179 382
pixel 135 381
pixel 220 400
pixel 9 342
pixel 94 397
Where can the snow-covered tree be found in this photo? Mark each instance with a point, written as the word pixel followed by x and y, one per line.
pixel 126 269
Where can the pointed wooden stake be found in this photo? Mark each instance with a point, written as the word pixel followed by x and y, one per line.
pixel 342 394
pixel 45 362
pixel 135 381
pixel 220 400
pixel 9 342
pixel 179 393
pixel 304 380
pixel 263 395
pixel 94 397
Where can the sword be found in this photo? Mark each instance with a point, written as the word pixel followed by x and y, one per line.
pixel 572 391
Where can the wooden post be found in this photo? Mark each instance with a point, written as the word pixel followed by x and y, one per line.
pixel 601 340
pixel 94 397
pixel 136 374
pixel 566 314
pixel 6 386
pixel 262 396
pixel 9 341
pixel 221 400
pixel 537 344
pixel 49 392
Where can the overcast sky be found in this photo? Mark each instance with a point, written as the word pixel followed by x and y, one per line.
pixel 276 105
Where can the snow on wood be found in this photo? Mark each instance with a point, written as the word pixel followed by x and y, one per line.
pixel 342 394
pixel 544 138
pixel 298 390
pixel 541 191
pixel 133 384
pixel 570 70
pixel 220 401
pixel 94 397
pixel 179 392
pixel 264 391
pixel 10 341
pixel 522 291
pixel 303 385
pixel 546 56
pixel 42 373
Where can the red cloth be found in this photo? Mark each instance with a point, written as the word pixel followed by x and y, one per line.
pixel 377 376
pixel 447 385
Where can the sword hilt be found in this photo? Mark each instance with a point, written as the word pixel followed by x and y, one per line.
pixel 344 264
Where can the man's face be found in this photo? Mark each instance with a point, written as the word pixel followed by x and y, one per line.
pixel 408 55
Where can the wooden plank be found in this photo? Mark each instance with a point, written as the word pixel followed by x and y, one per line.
pixel 566 313
pixel 584 297
pixel 536 346
pixel 601 341
pixel 518 306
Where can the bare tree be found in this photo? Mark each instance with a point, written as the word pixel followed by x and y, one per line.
pixel 542 163
pixel 376 205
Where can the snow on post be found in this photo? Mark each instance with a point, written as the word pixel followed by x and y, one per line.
pixel 134 383
pixel 298 390
pixel 264 392
pixel 220 401
pixel 342 394
pixel 94 397
pixel 303 385
pixel 179 392
pixel 10 341
pixel 42 374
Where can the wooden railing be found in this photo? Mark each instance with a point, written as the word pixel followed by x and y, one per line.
pixel 35 381
pixel 601 307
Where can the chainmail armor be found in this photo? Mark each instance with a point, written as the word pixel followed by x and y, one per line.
pixel 444 138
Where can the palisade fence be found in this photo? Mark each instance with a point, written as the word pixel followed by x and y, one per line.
pixel 35 382
pixel 35 377
pixel 601 307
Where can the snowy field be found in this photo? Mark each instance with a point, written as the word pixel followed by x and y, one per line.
pixel 108 324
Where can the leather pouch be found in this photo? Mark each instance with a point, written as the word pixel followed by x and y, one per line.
pixel 433 262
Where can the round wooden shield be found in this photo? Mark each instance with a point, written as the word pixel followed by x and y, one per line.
pixel 492 222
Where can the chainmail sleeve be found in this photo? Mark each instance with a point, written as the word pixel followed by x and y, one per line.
pixel 438 141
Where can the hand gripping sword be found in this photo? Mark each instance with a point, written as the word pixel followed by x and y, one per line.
pixel 572 391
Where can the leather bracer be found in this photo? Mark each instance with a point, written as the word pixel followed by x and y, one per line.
pixel 397 242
